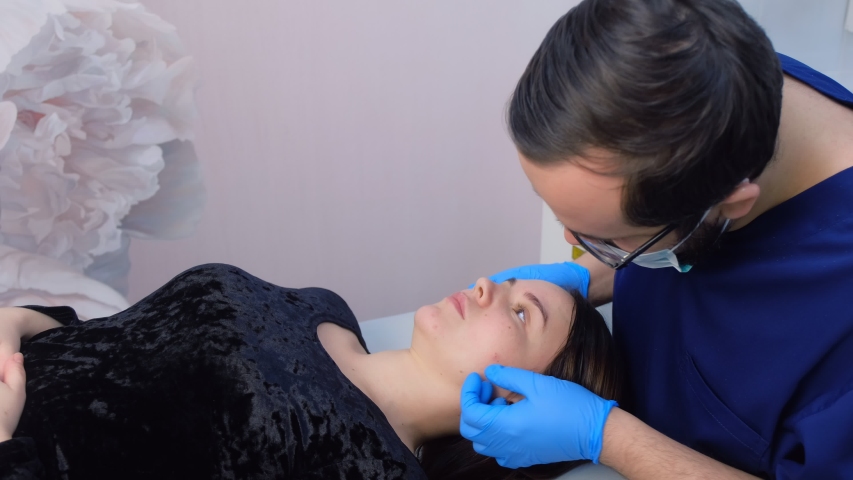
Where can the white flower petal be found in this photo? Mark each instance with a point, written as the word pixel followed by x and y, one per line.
pixel 143 27
pixel 175 211
pixel 27 278
pixel 112 268
pixel 20 21
pixel 96 5
pixel 86 100
pixel 8 117
pixel 132 170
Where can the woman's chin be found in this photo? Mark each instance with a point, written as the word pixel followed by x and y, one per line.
pixel 428 321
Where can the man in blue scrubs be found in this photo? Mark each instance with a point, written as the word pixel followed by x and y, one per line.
pixel 670 139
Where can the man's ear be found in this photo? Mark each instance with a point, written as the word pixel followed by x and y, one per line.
pixel 740 202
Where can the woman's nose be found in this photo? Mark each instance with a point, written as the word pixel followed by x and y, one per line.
pixel 484 290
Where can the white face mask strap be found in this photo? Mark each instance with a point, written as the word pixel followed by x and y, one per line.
pixel 692 231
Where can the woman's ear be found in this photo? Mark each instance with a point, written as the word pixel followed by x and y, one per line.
pixel 740 202
pixel 510 397
pixel 514 398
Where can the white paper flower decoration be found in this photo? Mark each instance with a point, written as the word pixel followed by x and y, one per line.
pixel 96 113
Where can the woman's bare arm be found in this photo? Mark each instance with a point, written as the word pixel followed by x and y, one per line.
pixel 34 323
pixel 26 322
pixel 12 395
pixel 20 324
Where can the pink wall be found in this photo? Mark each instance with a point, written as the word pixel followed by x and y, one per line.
pixel 358 146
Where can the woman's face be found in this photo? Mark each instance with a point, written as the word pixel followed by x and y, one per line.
pixel 518 323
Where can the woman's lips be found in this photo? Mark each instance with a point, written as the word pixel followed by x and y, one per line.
pixel 458 301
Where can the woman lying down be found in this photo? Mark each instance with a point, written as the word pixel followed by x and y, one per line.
pixel 219 374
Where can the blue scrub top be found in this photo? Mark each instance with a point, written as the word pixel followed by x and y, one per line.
pixel 748 358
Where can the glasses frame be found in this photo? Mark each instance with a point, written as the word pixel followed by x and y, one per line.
pixel 627 258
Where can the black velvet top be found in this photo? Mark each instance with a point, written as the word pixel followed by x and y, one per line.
pixel 217 374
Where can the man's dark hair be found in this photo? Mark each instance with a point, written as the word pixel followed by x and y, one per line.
pixel 686 93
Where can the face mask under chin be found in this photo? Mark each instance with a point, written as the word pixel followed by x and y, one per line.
pixel 699 242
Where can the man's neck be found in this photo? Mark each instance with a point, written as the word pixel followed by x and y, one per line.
pixel 418 403
pixel 815 142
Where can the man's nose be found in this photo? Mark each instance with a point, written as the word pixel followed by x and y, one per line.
pixel 569 237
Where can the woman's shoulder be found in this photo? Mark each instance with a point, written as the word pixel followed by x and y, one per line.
pixel 217 271
pixel 321 303
pixel 323 297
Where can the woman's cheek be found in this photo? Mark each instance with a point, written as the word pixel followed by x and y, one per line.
pixel 505 343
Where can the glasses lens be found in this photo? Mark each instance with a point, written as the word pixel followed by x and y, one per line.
pixel 614 256
pixel 603 251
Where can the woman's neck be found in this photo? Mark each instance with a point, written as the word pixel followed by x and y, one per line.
pixel 418 403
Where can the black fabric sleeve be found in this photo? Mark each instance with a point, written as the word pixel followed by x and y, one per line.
pixel 19 461
pixel 360 468
pixel 64 315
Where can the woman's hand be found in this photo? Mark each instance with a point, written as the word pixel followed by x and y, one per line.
pixel 18 324
pixel 13 393
pixel 11 330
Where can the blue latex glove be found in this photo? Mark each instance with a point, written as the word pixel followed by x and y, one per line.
pixel 568 275
pixel 557 420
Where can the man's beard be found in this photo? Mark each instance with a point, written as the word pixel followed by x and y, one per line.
pixel 705 240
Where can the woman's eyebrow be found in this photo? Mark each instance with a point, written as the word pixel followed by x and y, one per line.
pixel 538 304
pixel 533 299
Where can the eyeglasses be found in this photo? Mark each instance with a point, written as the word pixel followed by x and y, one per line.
pixel 613 256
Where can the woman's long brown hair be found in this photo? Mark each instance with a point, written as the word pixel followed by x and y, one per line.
pixel 588 358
